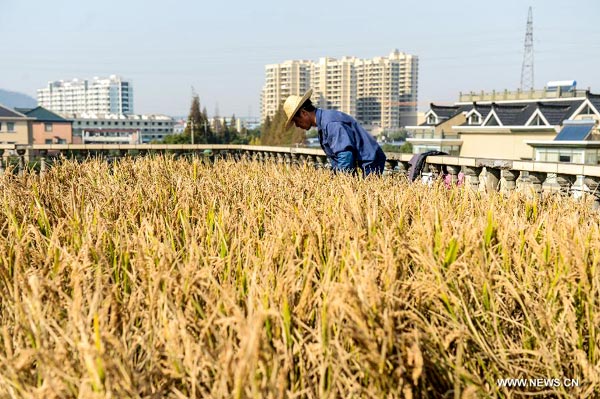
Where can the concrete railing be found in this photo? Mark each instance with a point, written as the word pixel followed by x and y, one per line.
pixel 477 173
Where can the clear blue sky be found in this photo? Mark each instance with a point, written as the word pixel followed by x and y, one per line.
pixel 221 47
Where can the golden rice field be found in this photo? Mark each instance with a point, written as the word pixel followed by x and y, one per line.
pixel 163 278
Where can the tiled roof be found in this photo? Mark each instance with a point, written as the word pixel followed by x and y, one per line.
pixel 445 112
pixel 6 112
pixel 555 113
pixel 484 110
pixel 509 114
pixel 42 114
pixel 595 100
pixel 518 113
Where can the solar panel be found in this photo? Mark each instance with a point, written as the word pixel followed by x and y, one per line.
pixel 574 132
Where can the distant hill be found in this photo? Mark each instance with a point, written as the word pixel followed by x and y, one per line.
pixel 14 99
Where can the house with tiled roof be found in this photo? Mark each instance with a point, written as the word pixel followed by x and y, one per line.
pixel 578 141
pixel 48 127
pixel 15 127
pixel 501 128
pixel 436 132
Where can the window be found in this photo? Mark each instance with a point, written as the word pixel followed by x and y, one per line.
pixel 431 119
pixel 48 141
pixel 474 119
pixel 10 126
pixel 47 127
pixel 492 121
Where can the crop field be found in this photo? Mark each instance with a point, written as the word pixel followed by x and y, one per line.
pixel 157 277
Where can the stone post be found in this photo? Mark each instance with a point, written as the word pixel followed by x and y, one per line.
pixel 453 171
pixel 322 161
pixel 510 179
pixel 42 166
pixel 566 183
pixel 390 166
pixel 295 159
pixel 303 159
pixel 492 179
pixel 472 176
pixel 403 167
pixel 536 180
pixel 435 169
pixel 593 184
pixel 21 153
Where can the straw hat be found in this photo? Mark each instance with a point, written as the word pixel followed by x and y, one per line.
pixel 292 104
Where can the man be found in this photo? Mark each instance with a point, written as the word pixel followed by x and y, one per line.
pixel 345 142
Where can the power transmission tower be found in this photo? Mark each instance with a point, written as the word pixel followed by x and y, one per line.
pixel 527 68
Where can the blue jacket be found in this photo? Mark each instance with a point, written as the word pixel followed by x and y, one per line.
pixel 341 132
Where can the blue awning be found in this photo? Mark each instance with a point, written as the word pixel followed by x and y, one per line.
pixel 575 131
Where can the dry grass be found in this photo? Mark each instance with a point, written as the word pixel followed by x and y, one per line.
pixel 164 278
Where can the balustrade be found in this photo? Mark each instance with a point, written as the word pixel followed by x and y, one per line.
pixel 496 175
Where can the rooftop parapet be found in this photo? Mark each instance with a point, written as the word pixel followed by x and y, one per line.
pixel 544 94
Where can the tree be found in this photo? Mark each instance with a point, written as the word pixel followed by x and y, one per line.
pixel 275 133
pixel 197 124
pixel 233 124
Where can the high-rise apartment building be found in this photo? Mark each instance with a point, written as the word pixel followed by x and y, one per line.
pixel 283 80
pixel 381 93
pixel 106 95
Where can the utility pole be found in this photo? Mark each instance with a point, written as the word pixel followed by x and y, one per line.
pixel 192 129
pixel 527 68
pixel 191 116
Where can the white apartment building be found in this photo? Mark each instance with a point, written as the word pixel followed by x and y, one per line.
pixel 381 93
pixel 104 128
pixel 283 80
pixel 105 95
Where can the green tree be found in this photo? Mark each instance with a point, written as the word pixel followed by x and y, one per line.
pixel 274 132
pixel 197 124
pixel 233 124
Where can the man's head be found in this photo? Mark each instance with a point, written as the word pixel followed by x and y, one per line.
pixel 299 110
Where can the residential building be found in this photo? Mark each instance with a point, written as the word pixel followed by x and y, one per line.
pixel 577 142
pixel 105 95
pixel 381 93
pixel 502 125
pixel 334 84
pixel 281 81
pixel 101 128
pixel 15 127
pixel 48 127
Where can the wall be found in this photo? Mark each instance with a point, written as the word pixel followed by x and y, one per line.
pixel 60 130
pixel 21 135
pixel 501 144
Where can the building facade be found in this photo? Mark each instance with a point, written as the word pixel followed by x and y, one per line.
pixel 107 95
pixel 15 127
pixel 381 93
pixel 48 127
pixel 101 128
pixel 513 125
pixel 281 81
